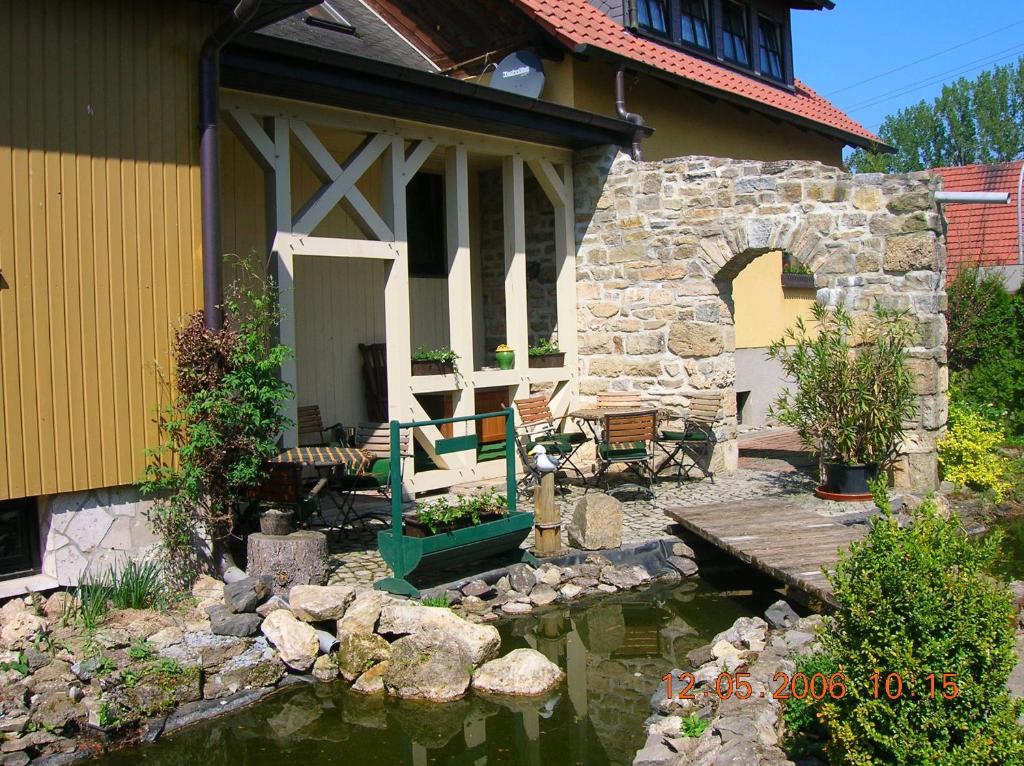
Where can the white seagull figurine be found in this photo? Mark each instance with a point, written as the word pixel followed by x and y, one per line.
pixel 544 463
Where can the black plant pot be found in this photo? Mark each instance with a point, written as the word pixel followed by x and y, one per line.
pixel 843 479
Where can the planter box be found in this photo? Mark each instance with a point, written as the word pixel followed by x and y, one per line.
pixel 413 527
pixel 411 556
pixel 548 360
pixel 432 368
pixel 798 281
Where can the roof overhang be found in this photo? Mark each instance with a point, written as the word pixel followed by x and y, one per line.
pixel 782 115
pixel 274 67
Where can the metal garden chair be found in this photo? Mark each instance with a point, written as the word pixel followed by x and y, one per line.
pixel 375 439
pixel 539 426
pixel 691 445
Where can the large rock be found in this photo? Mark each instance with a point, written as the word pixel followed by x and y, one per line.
pixel 20 627
pixel 243 596
pixel 318 603
pixel 226 623
pixel 480 642
pixel 358 652
pixel 596 523
pixel 207 587
pixel 362 613
pixel 372 681
pixel 521 672
pixel 522 578
pixel 325 669
pixel 295 641
pixel 625 577
pixel 194 648
pixel 781 615
pixel 429 665
pixel 256 667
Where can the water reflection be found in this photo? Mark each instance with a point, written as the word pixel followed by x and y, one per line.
pixel 614 653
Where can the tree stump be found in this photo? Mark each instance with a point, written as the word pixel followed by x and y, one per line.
pixel 296 559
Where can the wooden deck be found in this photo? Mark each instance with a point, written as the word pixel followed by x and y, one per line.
pixel 789 543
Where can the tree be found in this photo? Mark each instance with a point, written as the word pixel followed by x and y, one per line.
pixel 971 121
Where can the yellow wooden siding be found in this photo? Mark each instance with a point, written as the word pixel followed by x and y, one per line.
pixel 764 310
pixel 99 232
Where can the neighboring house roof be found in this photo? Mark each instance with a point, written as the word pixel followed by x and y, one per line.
pixel 374 38
pixel 981 235
pixel 580 26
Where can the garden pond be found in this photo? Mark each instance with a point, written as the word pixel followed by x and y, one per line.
pixel 614 651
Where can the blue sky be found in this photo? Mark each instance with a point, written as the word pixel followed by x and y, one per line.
pixel 835 51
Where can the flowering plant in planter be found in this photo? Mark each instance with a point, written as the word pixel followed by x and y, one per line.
pixel 450 513
pixel 853 389
pixel 545 353
pixel 434 361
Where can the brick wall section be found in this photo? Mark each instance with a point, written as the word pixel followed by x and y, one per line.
pixel 660 242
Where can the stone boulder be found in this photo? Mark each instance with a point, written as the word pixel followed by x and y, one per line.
pixel 243 596
pixel 207 587
pixel 596 523
pixel 521 672
pixel 358 652
pixel 625 577
pixel 256 667
pixel 522 578
pixel 372 681
pixel 362 613
pixel 325 669
pixel 781 615
pixel 20 627
pixel 479 642
pixel 294 640
pixel 227 623
pixel 686 566
pixel 272 604
pixel 429 665
pixel 319 603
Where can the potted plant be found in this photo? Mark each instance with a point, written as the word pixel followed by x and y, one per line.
pixel 506 357
pixel 434 361
pixel 853 392
pixel 796 275
pixel 546 354
pixel 448 514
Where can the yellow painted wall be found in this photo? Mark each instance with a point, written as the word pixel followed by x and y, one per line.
pixel 99 231
pixel 763 309
pixel 684 121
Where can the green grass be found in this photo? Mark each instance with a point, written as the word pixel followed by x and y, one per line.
pixel 136 586
pixel 693 726
pixel 438 601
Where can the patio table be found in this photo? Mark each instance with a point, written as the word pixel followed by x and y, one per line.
pixel 328 459
pixel 593 416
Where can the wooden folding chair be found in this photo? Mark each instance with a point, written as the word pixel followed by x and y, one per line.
pixel 695 440
pixel 628 438
pixel 619 400
pixel 311 426
pixel 538 426
pixel 374 438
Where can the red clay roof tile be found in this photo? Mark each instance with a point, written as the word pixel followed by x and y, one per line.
pixel 981 235
pixel 576 22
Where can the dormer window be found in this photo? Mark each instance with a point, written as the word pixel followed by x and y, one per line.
pixel 734 33
pixel 695 21
pixel 751 36
pixel 769 43
pixel 653 15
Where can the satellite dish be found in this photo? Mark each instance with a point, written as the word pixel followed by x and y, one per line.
pixel 521 73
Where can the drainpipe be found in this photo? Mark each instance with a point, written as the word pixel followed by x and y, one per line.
pixel 620 108
pixel 209 154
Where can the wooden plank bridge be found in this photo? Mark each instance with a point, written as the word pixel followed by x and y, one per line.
pixel 777 537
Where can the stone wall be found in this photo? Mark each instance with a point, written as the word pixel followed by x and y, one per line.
pixel 660 242
pixel 92 532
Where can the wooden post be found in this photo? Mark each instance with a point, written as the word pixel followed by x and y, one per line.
pixel 547 530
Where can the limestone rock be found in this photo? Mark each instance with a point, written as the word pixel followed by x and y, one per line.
pixel 258 666
pixel 318 603
pixel 429 665
pixel 358 652
pixel 58 604
pixel 682 549
pixel 569 591
pixel 372 681
pixel 687 567
pixel 243 596
pixel 295 641
pixel 480 642
pixel 19 628
pixel 522 578
pixel 521 672
pixel 781 615
pixel 596 523
pixel 477 588
pixel 207 587
pixel 549 574
pixel 911 252
pixel 166 637
pixel 542 594
pixel 626 577
pixel 516 607
pixel 362 613
pixel 325 669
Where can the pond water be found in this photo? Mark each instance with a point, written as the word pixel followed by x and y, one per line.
pixel 614 651
pixel 1011 561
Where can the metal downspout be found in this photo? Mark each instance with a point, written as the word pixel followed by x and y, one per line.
pixel 209 154
pixel 620 108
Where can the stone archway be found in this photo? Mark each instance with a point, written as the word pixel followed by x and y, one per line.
pixel 663 240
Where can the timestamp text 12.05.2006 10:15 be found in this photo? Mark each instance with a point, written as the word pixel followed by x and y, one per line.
pixel 816 686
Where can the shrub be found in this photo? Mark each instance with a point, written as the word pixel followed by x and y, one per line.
pixel 914 602
pixel 986 347
pixel 853 388
pixel 968 453
pixel 803 729
pixel 693 725
pixel 223 425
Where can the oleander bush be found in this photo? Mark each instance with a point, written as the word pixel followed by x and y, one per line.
pixel 969 454
pixel 913 602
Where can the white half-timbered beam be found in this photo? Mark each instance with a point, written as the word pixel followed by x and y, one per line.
pixel 460 328
pixel 334 247
pixel 550 182
pixel 252 135
pixel 516 308
pixel 398 329
pixel 342 187
pixel 415 158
